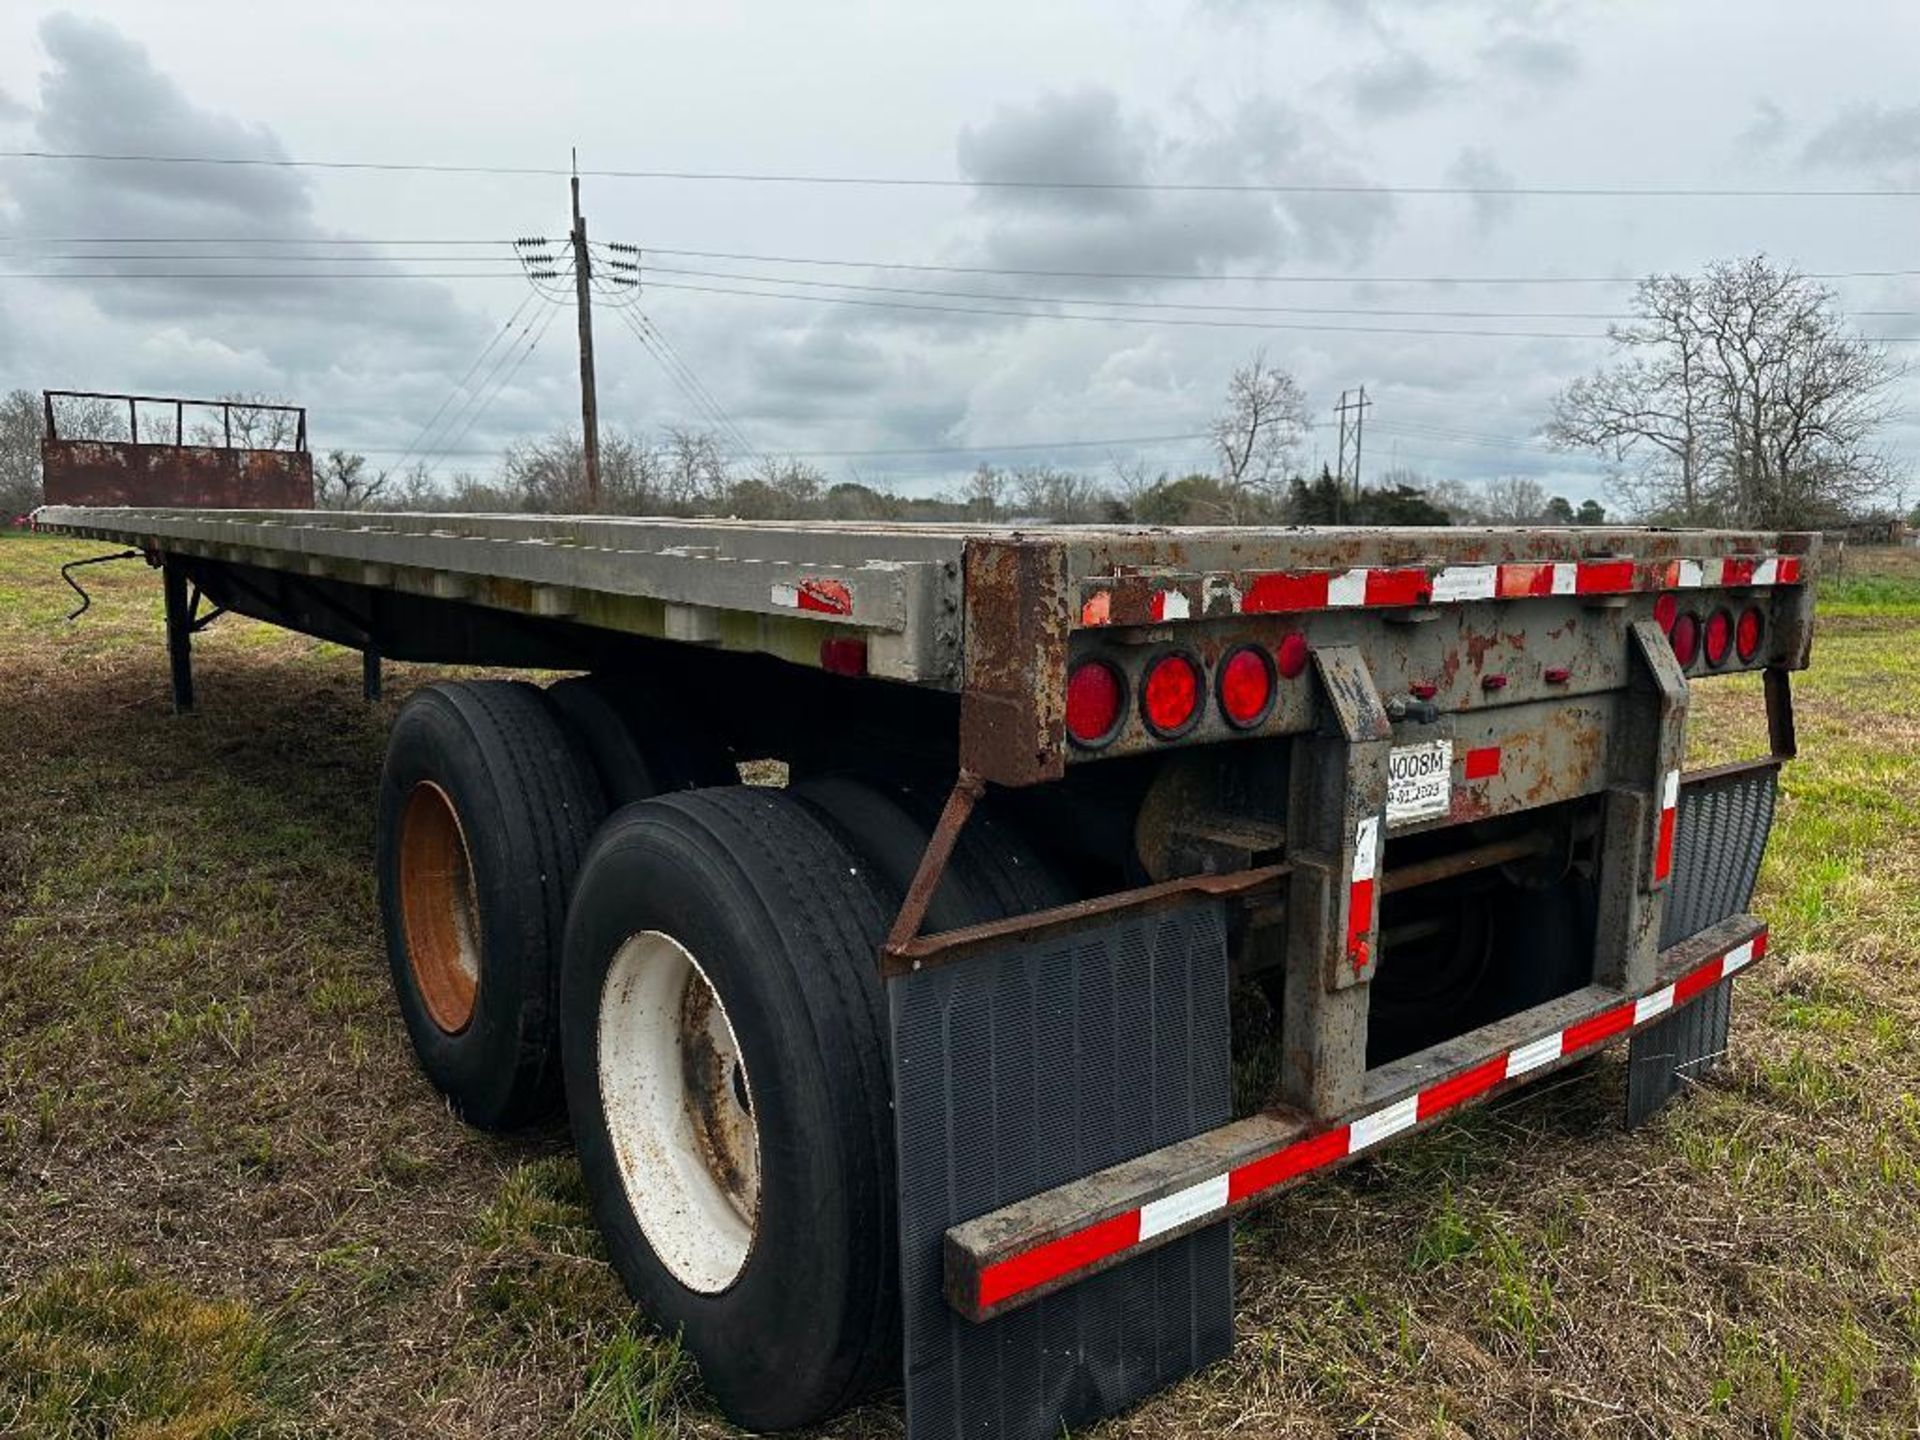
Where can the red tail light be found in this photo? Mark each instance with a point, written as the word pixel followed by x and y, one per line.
pixel 1170 698
pixel 1719 641
pixel 1685 636
pixel 1293 654
pixel 1096 702
pixel 1666 610
pixel 1746 636
pixel 1246 687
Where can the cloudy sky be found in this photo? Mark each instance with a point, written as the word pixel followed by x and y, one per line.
pixel 1384 96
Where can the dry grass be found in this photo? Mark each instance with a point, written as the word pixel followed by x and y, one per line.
pixel 229 1205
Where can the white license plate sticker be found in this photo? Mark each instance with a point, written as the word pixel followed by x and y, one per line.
pixel 1419 781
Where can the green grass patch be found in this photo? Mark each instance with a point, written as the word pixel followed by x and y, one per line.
pixel 106 1350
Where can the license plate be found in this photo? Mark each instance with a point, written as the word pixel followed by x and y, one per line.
pixel 1419 781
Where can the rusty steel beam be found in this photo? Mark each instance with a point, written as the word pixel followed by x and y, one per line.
pixel 1014 707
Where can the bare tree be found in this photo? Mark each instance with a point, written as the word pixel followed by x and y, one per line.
pixel 986 490
pixel 1256 437
pixel 1065 497
pixel 1513 500
pixel 798 484
pixel 1133 481
pixel 250 422
pixel 342 481
pixel 1742 398
pixel 22 424
pixel 693 467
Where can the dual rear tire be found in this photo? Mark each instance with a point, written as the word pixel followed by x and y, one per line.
pixel 701 969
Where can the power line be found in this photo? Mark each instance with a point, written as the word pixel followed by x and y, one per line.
pixel 1132 319
pixel 259 275
pixel 749 177
pixel 1179 321
pixel 231 240
pixel 1233 306
pixel 279 258
pixel 461 383
pixel 484 397
pixel 1225 278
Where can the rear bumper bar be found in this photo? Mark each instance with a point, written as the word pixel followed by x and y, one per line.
pixel 1014 1255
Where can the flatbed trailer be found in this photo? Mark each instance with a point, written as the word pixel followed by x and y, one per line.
pixel 918 1070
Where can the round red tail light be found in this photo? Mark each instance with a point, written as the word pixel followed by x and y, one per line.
pixel 1096 702
pixel 1685 636
pixel 1666 610
pixel 1746 636
pixel 1246 687
pixel 1170 697
pixel 1719 641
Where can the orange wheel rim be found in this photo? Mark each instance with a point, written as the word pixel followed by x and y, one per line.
pixel 439 907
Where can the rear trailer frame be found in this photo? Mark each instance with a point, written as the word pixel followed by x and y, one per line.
pixel 1440 705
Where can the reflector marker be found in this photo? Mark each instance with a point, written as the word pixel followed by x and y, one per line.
pixel 1483 763
pixel 1171 605
pixel 822 596
pixel 1065 1257
pixel 1366 863
pixel 1669 809
pixel 1146 599
pixel 1159 1216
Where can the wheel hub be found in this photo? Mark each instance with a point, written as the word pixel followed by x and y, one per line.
pixel 679 1109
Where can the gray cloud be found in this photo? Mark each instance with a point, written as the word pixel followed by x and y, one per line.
pixel 1087 136
pixel 1399 84
pixel 1767 127
pixel 345 345
pixel 12 109
pixel 1478 167
pixel 1866 135
pixel 1532 59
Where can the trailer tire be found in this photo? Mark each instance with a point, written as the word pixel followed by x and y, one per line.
pixel 774 1260
pixel 634 758
pixel 485 811
pixel 994 872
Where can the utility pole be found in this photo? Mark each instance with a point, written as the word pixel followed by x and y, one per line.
pixel 1352 411
pixel 583 292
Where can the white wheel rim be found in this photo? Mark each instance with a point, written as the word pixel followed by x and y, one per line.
pixel 679 1110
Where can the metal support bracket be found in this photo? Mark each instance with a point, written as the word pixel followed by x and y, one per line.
pixel 1336 830
pixel 1641 805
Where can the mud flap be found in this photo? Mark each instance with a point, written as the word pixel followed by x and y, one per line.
pixel 1023 1068
pixel 1720 836
pixel 1677 1050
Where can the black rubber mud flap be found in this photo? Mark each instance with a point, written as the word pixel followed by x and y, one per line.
pixel 1720 836
pixel 1681 1048
pixel 1016 1071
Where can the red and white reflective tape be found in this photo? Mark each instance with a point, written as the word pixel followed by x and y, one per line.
pixel 1669 813
pixel 1274 592
pixel 818 595
pixel 1107 1239
pixel 1366 864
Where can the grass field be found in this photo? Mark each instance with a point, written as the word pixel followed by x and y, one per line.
pixel 229 1206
